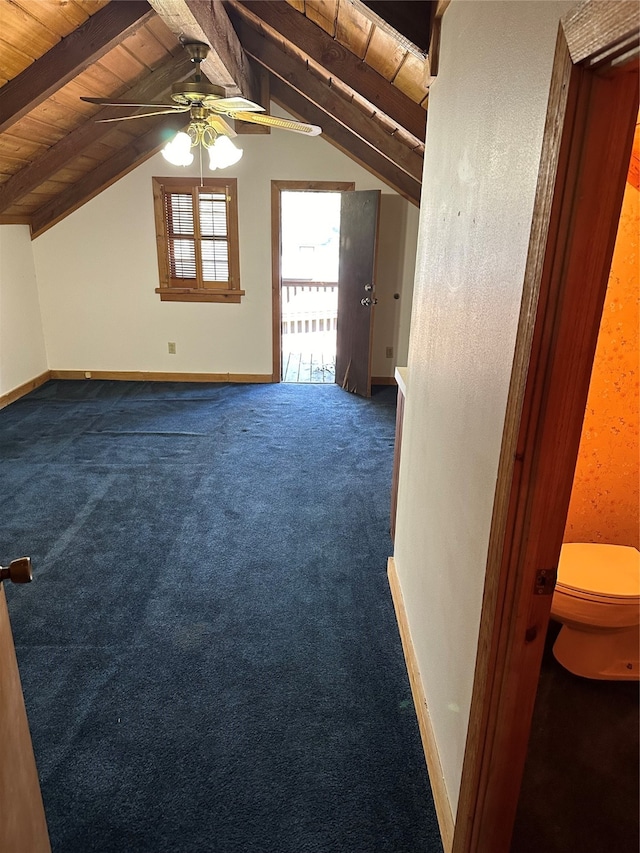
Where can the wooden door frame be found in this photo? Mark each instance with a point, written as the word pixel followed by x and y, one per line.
pixel 276 253
pixel 587 142
pixel 23 824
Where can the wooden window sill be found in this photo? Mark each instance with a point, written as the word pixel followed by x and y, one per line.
pixel 188 295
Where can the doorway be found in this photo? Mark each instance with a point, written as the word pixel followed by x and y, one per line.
pixel 309 238
pixel 305 229
pixel 591 117
pixel 583 744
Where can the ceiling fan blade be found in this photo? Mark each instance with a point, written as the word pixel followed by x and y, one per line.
pixel 142 115
pixel 104 103
pixel 232 105
pixel 284 123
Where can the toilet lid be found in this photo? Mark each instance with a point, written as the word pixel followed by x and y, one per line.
pixel 605 570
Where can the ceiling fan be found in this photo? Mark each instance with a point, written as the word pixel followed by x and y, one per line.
pixel 207 105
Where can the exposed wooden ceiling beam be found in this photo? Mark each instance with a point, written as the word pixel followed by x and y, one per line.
pixel 104 175
pixel 346 141
pixel 72 55
pixel 304 35
pixel 262 76
pixel 195 20
pixel 438 9
pixel 289 69
pixel 61 154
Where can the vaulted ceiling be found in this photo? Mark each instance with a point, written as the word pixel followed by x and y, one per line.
pixel 352 67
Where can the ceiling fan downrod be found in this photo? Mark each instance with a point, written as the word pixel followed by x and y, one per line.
pixel 198 52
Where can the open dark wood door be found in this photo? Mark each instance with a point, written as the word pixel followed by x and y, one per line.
pixel 359 214
pixel 23 827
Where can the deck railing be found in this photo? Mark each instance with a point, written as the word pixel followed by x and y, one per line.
pixel 309 307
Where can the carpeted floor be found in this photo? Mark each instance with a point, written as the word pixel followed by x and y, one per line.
pixel 209 653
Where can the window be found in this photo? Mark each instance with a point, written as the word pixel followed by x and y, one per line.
pixel 197 237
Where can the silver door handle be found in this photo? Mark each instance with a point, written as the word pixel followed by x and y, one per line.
pixel 367 301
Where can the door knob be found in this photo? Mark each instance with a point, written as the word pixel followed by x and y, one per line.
pixel 18 571
pixel 367 301
pixel 368 287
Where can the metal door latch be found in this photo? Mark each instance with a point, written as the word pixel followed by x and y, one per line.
pixel 545 581
pixel 367 301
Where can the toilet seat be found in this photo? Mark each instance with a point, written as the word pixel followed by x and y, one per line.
pixel 595 598
pixel 609 574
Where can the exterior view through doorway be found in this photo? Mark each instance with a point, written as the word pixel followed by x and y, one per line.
pixel 310 236
pixel 305 232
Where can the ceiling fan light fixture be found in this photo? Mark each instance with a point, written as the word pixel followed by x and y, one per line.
pixel 178 150
pixel 223 153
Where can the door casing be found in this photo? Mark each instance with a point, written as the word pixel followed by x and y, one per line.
pixel 276 254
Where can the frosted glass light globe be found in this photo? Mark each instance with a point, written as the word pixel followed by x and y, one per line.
pixel 223 153
pixel 178 150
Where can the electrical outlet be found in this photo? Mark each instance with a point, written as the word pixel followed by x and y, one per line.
pixel 172 347
pixel 389 352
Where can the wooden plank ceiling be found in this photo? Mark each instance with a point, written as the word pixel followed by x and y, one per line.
pixel 335 63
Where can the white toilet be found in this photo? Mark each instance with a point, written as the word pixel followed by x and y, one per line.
pixel 597 599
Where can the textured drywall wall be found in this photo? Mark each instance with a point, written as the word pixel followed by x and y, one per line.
pixel 22 349
pixel 394 278
pixel 97 271
pixel 604 503
pixel 484 132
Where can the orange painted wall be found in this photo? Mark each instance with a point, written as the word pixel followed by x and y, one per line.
pixel 604 502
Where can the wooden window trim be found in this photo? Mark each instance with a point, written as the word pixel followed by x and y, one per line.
pixel 171 292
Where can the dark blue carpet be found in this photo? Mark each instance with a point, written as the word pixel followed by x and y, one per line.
pixel 209 653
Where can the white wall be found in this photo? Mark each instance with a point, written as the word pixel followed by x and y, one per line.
pixel 22 349
pixel 97 271
pixel 486 118
pixel 394 275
